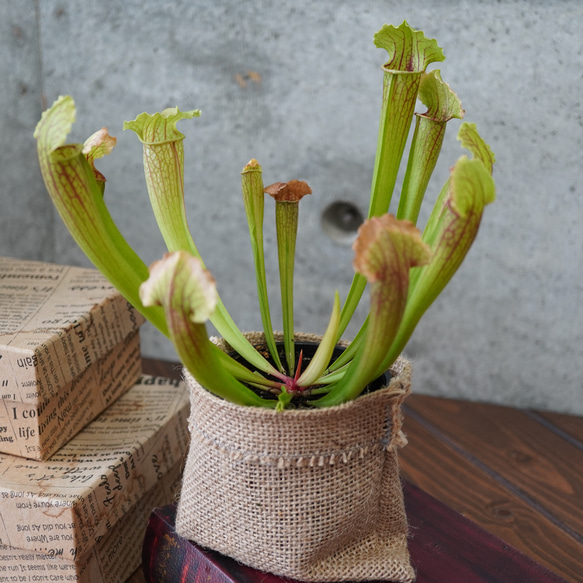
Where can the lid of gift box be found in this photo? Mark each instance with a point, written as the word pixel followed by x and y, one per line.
pixel 62 506
pixel 55 320
pixel 37 431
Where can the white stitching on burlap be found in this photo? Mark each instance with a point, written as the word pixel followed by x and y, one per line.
pixel 317 458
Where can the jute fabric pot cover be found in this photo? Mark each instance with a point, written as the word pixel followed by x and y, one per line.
pixel 310 494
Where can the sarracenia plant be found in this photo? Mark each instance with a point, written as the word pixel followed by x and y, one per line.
pixel 406 269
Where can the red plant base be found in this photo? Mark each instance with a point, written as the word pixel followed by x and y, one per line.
pixel 445 547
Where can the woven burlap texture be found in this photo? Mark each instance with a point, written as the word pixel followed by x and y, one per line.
pixel 310 494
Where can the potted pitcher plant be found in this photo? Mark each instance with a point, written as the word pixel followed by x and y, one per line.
pixel 292 466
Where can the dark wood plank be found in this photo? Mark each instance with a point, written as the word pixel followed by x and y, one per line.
pixel 162 368
pixel 446 547
pixel 448 476
pixel 569 425
pixel 537 464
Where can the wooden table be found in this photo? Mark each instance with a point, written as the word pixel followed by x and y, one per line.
pixel 516 473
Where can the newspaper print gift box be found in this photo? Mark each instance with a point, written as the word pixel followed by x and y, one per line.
pixel 63 506
pixel 37 432
pixel 55 321
pixel 69 346
pixel 115 556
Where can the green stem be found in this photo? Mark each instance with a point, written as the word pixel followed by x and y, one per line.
pixel 470 139
pixel 385 250
pixel 77 196
pixel 399 96
pixel 286 220
pixel 187 293
pixel 471 189
pixel 163 154
pixel 409 55
pixel 242 373
pixel 253 197
pixel 287 196
pixel 324 351
pixel 332 377
pixel 425 149
pixel 442 105
pixel 348 354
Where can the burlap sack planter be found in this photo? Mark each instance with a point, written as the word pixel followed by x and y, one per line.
pixel 310 494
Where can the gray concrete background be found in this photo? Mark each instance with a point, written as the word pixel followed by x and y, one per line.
pixel 297 85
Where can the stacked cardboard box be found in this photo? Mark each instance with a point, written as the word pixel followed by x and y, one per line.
pixel 88 446
pixel 69 346
pixel 81 516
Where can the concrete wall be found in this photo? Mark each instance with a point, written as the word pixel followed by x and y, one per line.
pixel 297 85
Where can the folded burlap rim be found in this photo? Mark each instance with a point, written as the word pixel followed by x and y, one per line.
pixel 395 393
